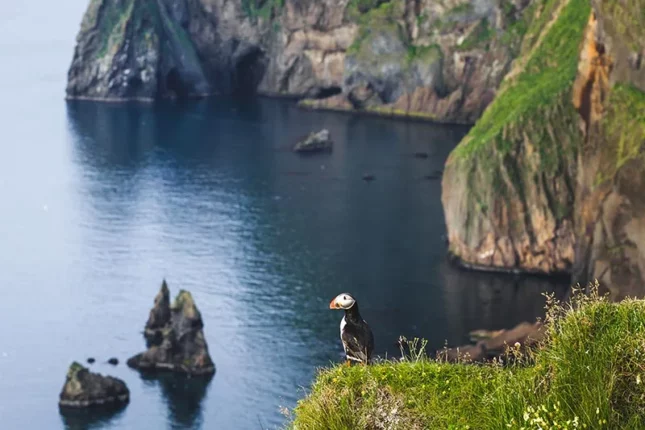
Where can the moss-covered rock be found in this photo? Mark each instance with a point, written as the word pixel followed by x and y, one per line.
pixel 83 389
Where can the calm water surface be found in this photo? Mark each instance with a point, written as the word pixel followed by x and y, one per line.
pixel 99 202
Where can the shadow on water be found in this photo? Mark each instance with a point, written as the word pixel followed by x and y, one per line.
pixel 494 301
pixel 91 419
pixel 183 396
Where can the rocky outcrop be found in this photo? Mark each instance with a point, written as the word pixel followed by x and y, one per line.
pixel 315 142
pixel 137 49
pixel 550 178
pixel 179 344
pixel 423 58
pixel 159 317
pixel 85 389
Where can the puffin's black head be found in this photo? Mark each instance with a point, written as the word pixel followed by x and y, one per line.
pixel 342 301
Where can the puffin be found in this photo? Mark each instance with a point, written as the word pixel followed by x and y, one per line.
pixel 355 334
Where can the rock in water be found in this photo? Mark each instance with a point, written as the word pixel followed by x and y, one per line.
pixel 113 361
pixel 159 315
pixel 84 389
pixel 315 142
pixel 182 347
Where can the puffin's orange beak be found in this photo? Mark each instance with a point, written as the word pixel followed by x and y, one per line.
pixel 333 305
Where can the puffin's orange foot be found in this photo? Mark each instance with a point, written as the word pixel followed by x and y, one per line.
pixel 348 363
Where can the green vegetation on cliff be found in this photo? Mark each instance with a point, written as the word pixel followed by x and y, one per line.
pixel 547 70
pixel 588 373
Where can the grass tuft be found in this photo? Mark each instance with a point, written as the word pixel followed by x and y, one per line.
pixel 589 372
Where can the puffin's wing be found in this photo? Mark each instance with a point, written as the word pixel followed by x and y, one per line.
pixel 357 345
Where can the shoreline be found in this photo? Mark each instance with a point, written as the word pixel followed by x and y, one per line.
pixel 302 103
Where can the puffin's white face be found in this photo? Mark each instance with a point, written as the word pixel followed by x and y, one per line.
pixel 342 301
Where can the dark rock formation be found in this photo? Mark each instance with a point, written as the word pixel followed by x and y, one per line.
pixel 136 49
pixel 492 344
pixel 315 142
pixel 181 346
pixel 439 60
pixel 113 361
pixel 85 389
pixel 159 315
pixel 91 360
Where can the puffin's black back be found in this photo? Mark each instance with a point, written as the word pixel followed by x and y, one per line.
pixel 357 336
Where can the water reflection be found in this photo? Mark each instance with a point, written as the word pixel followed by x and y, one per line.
pixel 183 396
pixel 92 419
pixel 493 301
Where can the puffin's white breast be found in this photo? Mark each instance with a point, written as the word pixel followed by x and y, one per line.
pixel 342 327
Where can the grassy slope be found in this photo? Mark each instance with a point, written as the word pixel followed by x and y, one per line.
pixel 589 373
pixel 549 71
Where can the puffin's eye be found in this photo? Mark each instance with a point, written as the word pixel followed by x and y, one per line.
pixel 344 297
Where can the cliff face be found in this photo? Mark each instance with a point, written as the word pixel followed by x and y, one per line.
pixel 508 186
pixel 610 197
pixel 436 59
pixel 561 146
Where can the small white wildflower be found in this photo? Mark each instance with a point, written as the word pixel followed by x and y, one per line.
pixel 638 379
pixel 597 411
pixel 517 345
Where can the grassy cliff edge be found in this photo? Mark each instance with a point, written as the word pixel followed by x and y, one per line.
pixel 587 373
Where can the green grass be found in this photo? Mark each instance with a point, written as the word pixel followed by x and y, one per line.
pixel 588 373
pixel 624 126
pixel 481 35
pixel 255 9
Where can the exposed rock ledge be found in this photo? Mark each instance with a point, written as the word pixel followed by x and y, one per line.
pixel 175 337
pixel 439 60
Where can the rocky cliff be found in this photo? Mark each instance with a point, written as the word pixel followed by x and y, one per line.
pixel 610 193
pixel 435 59
pixel 549 180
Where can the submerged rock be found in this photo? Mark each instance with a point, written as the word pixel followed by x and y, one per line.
pixel 91 360
pixel 86 389
pixel 179 345
pixel 113 361
pixel 315 142
pixel 491 344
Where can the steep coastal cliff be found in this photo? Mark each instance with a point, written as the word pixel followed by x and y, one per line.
pixel 610 199
pixel 435 59
pixel 561 146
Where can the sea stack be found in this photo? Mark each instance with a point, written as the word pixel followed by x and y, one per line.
pixel 175 337
pixel 84 389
